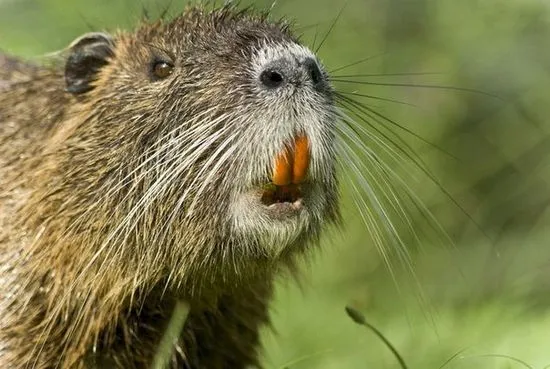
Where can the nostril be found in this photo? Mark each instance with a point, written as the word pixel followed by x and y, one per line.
pixel 314 73
pixel 271 78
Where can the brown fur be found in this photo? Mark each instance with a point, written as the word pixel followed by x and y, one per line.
pixel 68 297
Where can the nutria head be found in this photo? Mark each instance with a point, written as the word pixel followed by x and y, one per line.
pixel 189 149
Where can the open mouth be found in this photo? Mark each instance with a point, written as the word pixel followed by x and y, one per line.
pixel 273 194
pixel 285 191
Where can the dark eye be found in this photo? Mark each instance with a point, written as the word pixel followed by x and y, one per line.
pixel 162 69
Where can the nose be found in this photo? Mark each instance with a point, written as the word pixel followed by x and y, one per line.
pixel 283 71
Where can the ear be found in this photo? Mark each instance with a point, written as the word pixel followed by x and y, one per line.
pixel 87 55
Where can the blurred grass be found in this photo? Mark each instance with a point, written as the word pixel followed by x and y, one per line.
pixel 488 292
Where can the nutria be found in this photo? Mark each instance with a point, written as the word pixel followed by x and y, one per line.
pixel 189 160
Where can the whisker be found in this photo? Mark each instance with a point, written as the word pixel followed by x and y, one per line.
pixel 419 164
pixel 356 63
pixel 376 98
pixel 401 146
pixel 381 208
pixel 200 126
pixel 383 173
pixel 143 204
pixel 398 160
pixel 404 74
pixel 437 87
pixel 124 224
pixel 368 217
pixel 370 112
pixel 389 192
pixel 315 36
pixel 331 27
pixel 219 163
pixel 274 3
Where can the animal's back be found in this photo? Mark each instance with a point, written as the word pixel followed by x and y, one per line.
pixel 22 127
pixel 31 99
pixel 26 117
pixel 14 136
pixel 12 70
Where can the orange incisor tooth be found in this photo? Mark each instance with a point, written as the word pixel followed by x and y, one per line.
pixel 292 163
pixel 282 175
pixel 301 159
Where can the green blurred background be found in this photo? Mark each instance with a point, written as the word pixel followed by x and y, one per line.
pixel 482 294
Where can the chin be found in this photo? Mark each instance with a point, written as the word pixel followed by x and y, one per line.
pixel 274 214
pixel 278 218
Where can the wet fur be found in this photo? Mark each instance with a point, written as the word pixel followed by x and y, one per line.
pixel 85 279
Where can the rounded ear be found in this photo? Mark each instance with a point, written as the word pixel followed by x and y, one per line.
pixel 87 55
